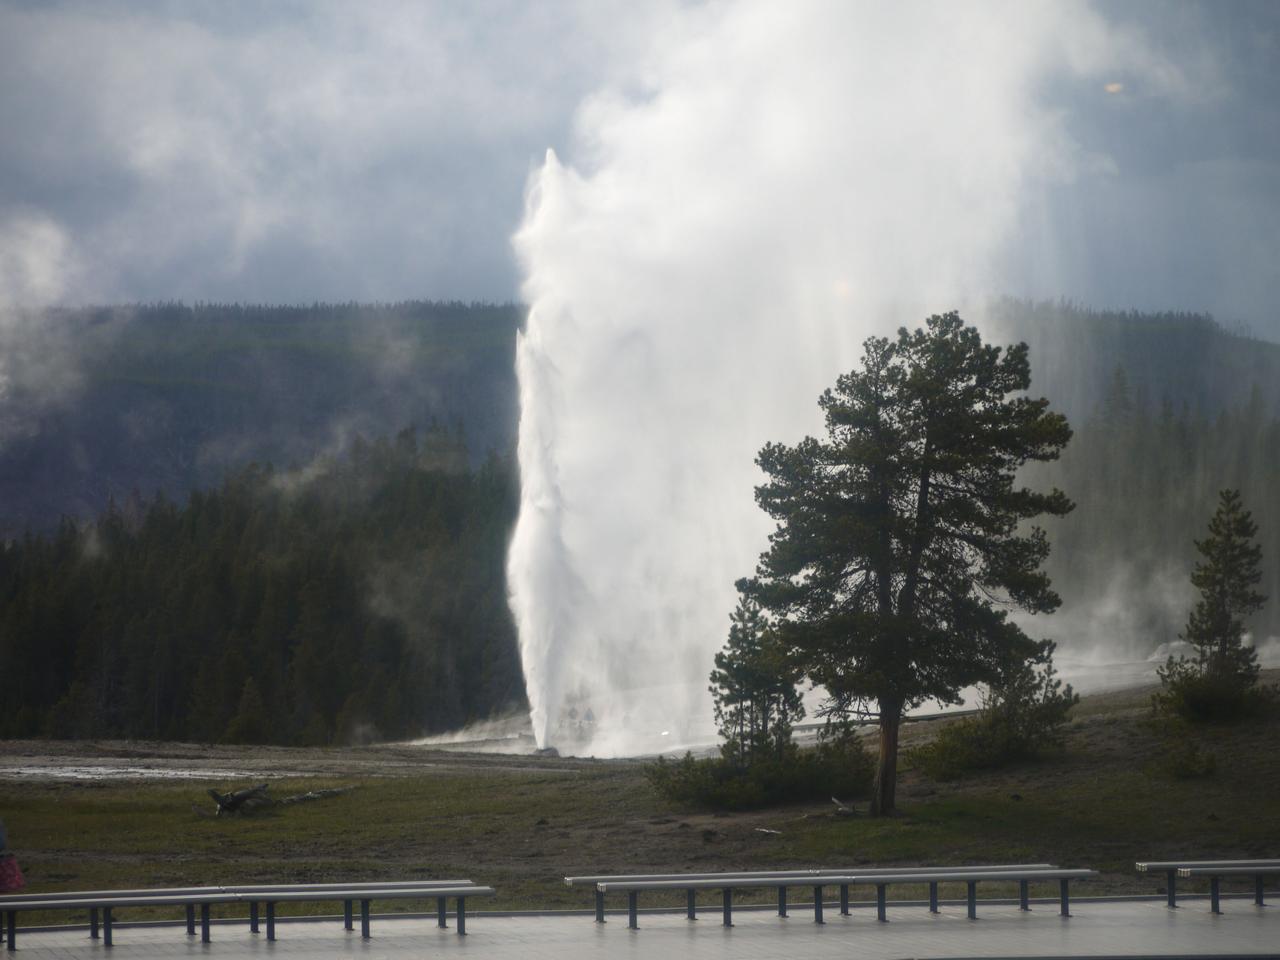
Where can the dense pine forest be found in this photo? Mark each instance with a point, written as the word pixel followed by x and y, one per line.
pixel 360 597
pixel 158 578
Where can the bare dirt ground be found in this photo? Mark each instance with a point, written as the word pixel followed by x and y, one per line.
pixel 153 759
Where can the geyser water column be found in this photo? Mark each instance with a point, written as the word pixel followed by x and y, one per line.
pixel 741 210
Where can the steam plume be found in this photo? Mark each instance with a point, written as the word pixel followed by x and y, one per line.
pixel 775 183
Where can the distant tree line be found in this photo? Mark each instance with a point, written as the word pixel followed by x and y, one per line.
pixel 362 596
pixel 1188 357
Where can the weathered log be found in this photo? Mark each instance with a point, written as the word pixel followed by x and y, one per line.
pixel 239 800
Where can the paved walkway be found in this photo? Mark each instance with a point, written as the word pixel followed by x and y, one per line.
pixel 1127 929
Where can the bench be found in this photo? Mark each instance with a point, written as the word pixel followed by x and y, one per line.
pixel 105 901
pixel 1256 869
pixel 366 896
pixel 942 872
pixel 783 875
pixel 1170 869
pixel 1024 874
pixel 347 902
pixel 971 878
pixel 52 899
pixel 595 881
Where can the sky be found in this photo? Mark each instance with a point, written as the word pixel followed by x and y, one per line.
pixel 293 152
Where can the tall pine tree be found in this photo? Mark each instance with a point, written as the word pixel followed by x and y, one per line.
pixel 901 542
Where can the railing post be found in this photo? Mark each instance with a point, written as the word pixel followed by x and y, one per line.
pixel 253 917
pixel 1257 889
pixel 106 929
pixel 93 923
pixel 1064 896
pixel 1024 895
pixel 691 904
pixel 817 905
pixel 364 919
pixel 973 899
pixel 728 906
pixel 204 923
pixel 347 923
pixel 462 916
pixel 11 920
pixel 1171 887
pixel 844 899
pixel 599 906
pixel 442 912
pixel 880 898
pixel 933 896
pixel 782 901
pixel 271 921
pixel 632 910
pixel 1213 895
pixel 191 921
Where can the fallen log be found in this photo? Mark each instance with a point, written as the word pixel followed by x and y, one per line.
pixel 240 800
pixel 253 798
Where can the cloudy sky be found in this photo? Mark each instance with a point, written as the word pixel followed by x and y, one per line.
pixel 290 152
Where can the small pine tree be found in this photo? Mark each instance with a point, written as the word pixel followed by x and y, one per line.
pixel 250 724
pixel 1217 684
pixel 755 690
pixel 1226 579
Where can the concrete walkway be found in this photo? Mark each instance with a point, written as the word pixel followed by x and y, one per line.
pixel 1117 929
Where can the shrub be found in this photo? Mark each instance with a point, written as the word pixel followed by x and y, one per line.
pixel 1182 759
pixel 1190 691
pixel 841 767
pixel 1019 720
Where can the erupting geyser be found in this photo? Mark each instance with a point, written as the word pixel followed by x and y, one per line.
pixel 738 219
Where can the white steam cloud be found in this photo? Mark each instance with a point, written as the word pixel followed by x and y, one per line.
pixel 774 183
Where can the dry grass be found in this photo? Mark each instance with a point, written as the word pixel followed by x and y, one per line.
pixel 521 824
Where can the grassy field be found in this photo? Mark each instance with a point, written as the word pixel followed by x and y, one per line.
pixel 522 824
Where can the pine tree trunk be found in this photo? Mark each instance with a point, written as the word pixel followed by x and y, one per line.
pixel 886 782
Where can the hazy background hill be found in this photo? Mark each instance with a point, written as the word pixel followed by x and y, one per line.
pixel 159 579
pixel 108 402
pixel 1185 359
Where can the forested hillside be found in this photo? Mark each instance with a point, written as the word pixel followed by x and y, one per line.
pixel 1145 479
pixel 105 402
pixel 354 587
pixel 362 597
